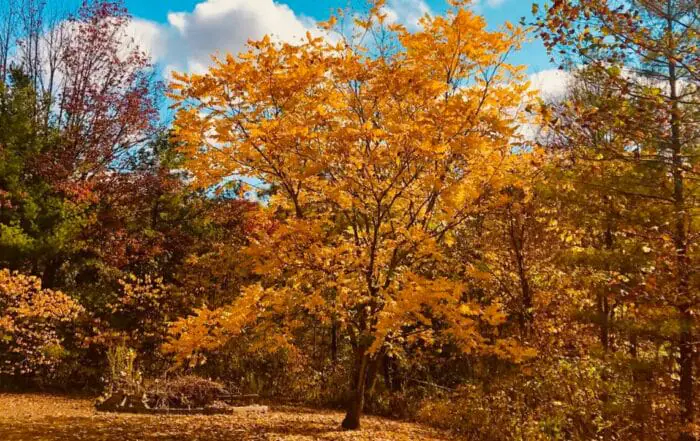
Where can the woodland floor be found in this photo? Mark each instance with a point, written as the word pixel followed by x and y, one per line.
pixel 34 417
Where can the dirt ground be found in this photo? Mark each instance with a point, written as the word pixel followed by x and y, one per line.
pixel 33 417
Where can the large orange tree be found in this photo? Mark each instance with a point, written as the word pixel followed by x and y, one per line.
pixel 374 153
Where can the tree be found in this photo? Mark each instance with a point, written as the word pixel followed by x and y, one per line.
pixel 107 103
pixel 74 108
pixel 37 221
pixel 644 53
pixel 510 248
pixel 374 155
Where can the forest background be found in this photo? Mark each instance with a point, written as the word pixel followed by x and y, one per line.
pixel 378 216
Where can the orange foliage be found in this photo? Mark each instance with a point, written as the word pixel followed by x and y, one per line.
pixel 30 338
pixel 375 155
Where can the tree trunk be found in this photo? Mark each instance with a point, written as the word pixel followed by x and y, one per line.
pixel 603 301
pixel 50 274
pixel 387 373
pixel 686 393
pixel 680 238
pixel 356 401
pixel 517 238
pixel 604 317
pixel 334 342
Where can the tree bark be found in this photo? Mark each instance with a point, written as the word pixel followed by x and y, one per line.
pixel 371 380
pixel 604 317
pixel 686 392
pixel 604 311
pixel 517 239
pixel 334 342
pixel 356 402
pixel 680 238
pixel 50 274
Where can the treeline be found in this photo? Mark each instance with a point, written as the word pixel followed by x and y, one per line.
pixel 93 199
pixel 392 222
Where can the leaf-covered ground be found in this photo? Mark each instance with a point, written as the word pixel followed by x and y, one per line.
pixel 30 417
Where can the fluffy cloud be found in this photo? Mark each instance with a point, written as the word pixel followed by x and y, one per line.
pixel 189 38
pixel 409 12
pixel 406 12
pixel 551 83
pixel 149 36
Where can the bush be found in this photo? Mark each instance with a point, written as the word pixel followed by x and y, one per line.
pixel 34 325
pixel 563 399
pixel 186 392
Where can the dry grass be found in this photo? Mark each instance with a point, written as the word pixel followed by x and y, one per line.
pixel 30 417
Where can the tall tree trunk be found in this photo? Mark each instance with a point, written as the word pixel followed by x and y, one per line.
pixel 526 320
pixel 356 401
pixel 388 383
pixel 680 238
pixel 334 341
pixel 642 380
pixel 604 317
pixel 517 238
pixel 686 392
pixel 603 301
pixel 50 274
pixel 372 371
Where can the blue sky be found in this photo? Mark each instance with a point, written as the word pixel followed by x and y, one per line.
pixel 181 34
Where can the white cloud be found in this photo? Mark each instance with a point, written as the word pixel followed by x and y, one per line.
pixel 148 36
pixel 409 12
pixel 190 38
pixel 551 83
pixel 479 6
pixel 406 12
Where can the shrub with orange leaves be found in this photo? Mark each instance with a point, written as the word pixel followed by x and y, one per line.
pixel 32 325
